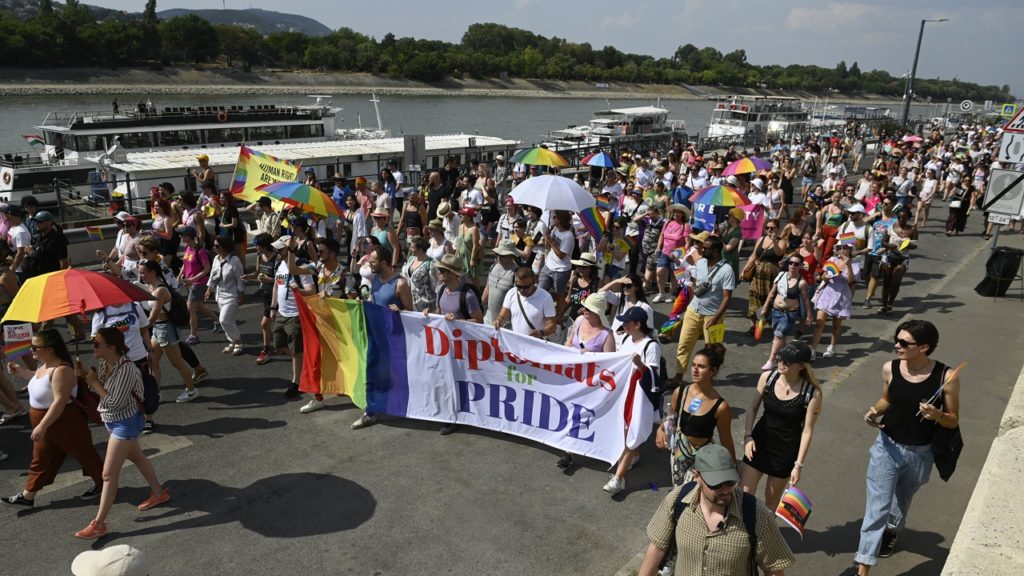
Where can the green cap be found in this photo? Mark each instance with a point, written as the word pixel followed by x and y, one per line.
pixel 716 465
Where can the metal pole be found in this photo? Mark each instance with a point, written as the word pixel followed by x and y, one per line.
pixel 909 91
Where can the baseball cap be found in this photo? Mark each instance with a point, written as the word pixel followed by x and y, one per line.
pixel 12 210
pixel 279 244
pixel 43 216
pixel 119 560
pixel 122 215
pixel 186 231
pixel 715 464
pixel 856 208
pixel 202 157
pixel 794 352
pixel 634 314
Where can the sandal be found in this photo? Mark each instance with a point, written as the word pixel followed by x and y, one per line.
pixel 5 418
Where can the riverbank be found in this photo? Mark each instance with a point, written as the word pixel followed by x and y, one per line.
pixel 230 81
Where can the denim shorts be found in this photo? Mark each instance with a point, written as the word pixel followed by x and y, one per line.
pixel 165 334
pixel 128 429
pixel 559 281
pixel 785 322
pixel 196 293
pixel 664 261
pixel 613 272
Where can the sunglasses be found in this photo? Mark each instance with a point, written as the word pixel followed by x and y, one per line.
pixel 524 286
pixel 903 343
pixel 716 487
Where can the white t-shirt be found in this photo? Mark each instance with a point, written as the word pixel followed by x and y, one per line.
pixel 286 306
pixel 472 198
pixel 564 240
pixel 613 190
pixel 613 299
pixel 130 319
pixel 18 237
pixel 399 183
pixel 538 307
pixel 652 357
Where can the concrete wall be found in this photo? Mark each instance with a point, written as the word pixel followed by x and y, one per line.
pixel 990 541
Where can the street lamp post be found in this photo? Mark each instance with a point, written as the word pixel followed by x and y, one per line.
pixel 908 91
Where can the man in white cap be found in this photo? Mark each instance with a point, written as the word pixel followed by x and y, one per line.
pixel 119 560
pixel 707 520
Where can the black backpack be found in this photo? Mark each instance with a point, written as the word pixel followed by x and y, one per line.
pixel 660 376
pixel 749 522
pixel 463 305
pixel 178 314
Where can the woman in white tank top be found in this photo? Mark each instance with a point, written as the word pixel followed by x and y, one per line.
pixel 59 427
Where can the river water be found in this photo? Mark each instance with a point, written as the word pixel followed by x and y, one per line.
pixel 524 119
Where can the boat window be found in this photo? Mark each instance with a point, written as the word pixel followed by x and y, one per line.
pixel 84 143
pixel 136 139
pixel 266 133
pixel 346 170
pixel 179 137
pixel 216 135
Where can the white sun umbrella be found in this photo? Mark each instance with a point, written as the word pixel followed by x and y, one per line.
pixel 550 192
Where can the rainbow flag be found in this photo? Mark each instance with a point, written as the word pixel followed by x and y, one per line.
pixel 831 270
pixel 594 222
pixel 675 316
pixel 15 350
pixel 94 232
pixel 680 274
pixel 847 238
pixel 794 509
pixel 604 202
pixel 33 139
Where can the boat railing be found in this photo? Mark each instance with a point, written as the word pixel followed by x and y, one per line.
pixel 32 160
pixel 183 114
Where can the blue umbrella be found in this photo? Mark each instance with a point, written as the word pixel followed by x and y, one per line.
pixel 600 159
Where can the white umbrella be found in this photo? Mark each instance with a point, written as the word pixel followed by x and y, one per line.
pixel 550 192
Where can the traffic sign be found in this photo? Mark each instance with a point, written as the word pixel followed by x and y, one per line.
pixel 1005 193
pixel 966 106
pixel 1016 124
pixel 1012 148
pixel 1008 109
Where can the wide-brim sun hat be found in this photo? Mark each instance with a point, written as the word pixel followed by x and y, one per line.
pixel 597 304
pixel 451 263
pixel 507 248
pixel 585 259
pixel 679 208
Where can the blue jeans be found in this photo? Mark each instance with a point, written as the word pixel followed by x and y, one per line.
pixel 895 473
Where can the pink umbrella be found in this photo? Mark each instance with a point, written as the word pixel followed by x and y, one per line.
pixel 912 138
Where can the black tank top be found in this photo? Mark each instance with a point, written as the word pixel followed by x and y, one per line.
pixel 902 423
pixel 697 426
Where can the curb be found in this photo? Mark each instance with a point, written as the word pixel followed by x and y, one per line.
pixel 990 541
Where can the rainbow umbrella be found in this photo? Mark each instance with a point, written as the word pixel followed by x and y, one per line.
pixel 746 166
pixel 71 291
pixel 539 157
pixel 720 195
pixel 600 159
pixel 309 199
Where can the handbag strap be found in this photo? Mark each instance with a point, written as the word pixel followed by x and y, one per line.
pixel 519 298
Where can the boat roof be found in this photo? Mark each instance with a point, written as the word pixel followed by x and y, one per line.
pixel 181 159
pixel 636 111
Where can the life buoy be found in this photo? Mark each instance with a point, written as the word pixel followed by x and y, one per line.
pixel 222 116
pixel 732 106
pixel 7 178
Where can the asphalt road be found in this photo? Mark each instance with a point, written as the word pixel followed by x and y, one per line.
pixel 259 488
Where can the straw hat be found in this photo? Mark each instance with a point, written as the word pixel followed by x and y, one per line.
pixel 597 304
pixel 451 263
pixel 585 259
pixel 436 224
pixel 701 237
pixel 738 213
pixel 679 208
pixel 507 248
pixel 443 209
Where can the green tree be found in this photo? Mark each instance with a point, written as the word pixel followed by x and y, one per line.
pixel 149 14
pixel 188 38
pixel 425 67
pixel 45 7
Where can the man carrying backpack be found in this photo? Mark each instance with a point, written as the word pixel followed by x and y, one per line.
pixel 715 527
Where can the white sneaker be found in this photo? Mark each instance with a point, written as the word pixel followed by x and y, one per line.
pixel 829 352
pixel 238 351
pixel 312 406
pixel 615 485
pixel 187 396
pixel 364 421
pixel 228 349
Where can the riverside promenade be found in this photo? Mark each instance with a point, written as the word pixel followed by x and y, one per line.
pixel 259 488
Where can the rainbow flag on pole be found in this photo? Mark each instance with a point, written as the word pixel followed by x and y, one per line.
pixel 794 509
pixel 847 238
pixel 594 222
pixel 94 232
pixel 15 350
pixel 604 202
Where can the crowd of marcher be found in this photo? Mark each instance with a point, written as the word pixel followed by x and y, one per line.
pixel 461 247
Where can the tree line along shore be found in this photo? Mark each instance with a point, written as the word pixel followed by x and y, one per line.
pixel 71 36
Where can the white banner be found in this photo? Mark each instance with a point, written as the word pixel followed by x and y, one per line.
pixel 499 380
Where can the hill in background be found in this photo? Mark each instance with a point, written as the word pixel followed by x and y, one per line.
pixel 263 21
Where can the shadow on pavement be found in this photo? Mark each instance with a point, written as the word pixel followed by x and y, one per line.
pixel 842 540
pixel 283 506
pixel 220 427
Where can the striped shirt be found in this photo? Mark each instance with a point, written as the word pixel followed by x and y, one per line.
pixel 724 552
pixel 124 385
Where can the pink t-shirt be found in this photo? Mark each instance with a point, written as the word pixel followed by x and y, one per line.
pixel 193 262
pixel 675 236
